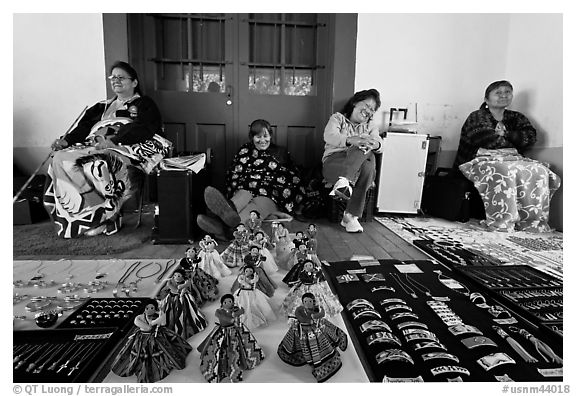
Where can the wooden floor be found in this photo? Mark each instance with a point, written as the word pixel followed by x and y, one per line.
pixel 334 244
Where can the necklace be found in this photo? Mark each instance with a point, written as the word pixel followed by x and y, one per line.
pixel 134 285
pixel 404 286
pixel 452 284
pixel 23 360
pixel 78 351
pixel 418 285
pixel 171 263
pixel 51 349
pixel 87 354
pixel 120 285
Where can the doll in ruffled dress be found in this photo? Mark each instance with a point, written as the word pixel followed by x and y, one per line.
pixel 311 280
pixel 211 262
pixel 260 240
pixel 314 340
pixel 257 309
pixel 205 283
pixel 254 223
pixel 299 258
pixel 230 348
pixel 283 245
pixel 312 243
pixel 233 255
pixel 297 241
pixel 179 306
pixel 152 351
pixel 255 260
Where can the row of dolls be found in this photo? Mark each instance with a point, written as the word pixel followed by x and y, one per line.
pixel 193 283
pixel 153 350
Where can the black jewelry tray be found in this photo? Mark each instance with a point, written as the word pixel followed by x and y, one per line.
pixel 92 370
pixel 517 293
pixel 453 254
pixel 106 312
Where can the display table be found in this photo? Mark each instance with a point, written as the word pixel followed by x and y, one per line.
pixel 272 369
pixel 419 321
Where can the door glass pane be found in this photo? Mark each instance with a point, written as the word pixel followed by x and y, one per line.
pixel 264 81
pixel 282 54
pixel 299 82
pixel 190 52
pixel 175 77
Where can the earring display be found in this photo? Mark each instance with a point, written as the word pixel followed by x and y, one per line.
pixel 61 356
pixel 524 289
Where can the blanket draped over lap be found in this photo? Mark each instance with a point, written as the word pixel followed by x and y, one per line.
pixel 87 187
pixel 516 190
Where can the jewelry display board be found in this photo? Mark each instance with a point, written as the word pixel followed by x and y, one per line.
pixel 525 290
pixel 106 312
pixel 414 321
pixel 62 286
pixel 65 355
pixel 454 254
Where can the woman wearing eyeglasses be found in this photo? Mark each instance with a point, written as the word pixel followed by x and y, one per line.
pixel 101 162
pixel 515 190
pixel 348 160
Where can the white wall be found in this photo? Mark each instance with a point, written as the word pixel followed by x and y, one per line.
pixel 443 62
pixel 58 69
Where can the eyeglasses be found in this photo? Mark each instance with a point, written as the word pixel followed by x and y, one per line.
pixel 370 111
pixel 120 79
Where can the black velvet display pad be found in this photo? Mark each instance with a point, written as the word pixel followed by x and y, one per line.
pixel 90 370
pixel 355 286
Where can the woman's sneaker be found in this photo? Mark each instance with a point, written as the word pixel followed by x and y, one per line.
pixel 342 189
pixel 351 223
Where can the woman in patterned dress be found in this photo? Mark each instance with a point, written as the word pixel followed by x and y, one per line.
pixel 230 348
pixel 255 259
pixel 206 284
pixel 211 262
pixel 152 350
pixel 179 305
pixel 257 309
pixel 313 340
pixel 311 280
pixel 233 255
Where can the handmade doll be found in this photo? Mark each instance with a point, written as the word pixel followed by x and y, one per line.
pixel 312 243
pixel 313 340
pixel 297 241
pixel 311 280
pixel 254 223
pixel 298 258
pixel 179 305
pixel 230 347
pixel 260 240
pixel 257 309
pixel 211 262
pixel 203 282
pixel 233 255
pixel 152 350
pixel 255 259
pixel 283 245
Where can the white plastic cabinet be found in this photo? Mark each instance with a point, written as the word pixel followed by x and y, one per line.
pixel 402 170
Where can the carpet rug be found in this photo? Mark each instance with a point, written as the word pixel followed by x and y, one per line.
pixel 41 239
pixel 455 243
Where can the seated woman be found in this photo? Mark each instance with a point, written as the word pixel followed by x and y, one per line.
pixel 99 165
pixel 261 178
pixel 515 190
pixel 348 160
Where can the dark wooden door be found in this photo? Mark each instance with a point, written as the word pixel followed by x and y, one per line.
pixel 213 74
